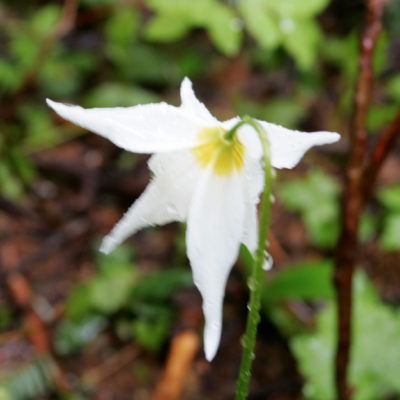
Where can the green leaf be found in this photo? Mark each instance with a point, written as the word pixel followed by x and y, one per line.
pixel 111 289
pixel 224 30
pixel 172 279
pixel 40 131
pixel 121 28
pixel 33 380
pixel 380 115
pixel 390 238
pixel 260 23
pixel 166 28
pixel 298 8
pixel 301 39
pixel 151 334
pixel 10 185
pixel 316 198
pixel 79 303
pixel 282 111
pixel 72 336
pixel 115 94
pixel 375 351
pixel 44 21
pixel 307 280
pixel 393 87
pixel 10 77
pixel 390 197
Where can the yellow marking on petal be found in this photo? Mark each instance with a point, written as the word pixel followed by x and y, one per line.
pixel 226 155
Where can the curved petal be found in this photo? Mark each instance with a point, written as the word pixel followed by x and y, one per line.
pixel 289 146
pixel 149 209
pixel 145 128
pixel 214 230
pixel 165 199
pixel 193 106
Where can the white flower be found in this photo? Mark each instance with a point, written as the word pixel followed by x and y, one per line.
pixel 200 177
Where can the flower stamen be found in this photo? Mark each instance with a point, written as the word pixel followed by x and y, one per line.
pixel 225 154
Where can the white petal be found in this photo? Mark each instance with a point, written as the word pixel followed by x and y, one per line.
pixel 149 209
pixel 254 184
pixel 193 106
pixel 289 146
pixel 179 175
pixel 165 199
pixel 145 128
pixel 214 230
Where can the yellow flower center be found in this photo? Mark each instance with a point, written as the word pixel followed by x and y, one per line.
pixel 225 155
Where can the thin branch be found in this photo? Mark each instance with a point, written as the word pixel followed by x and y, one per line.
pixel 353 200
pixel 379 154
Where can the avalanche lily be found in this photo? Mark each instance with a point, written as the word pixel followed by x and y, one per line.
pixel 202 175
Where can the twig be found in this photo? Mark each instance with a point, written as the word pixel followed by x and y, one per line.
pixel 111 366
pixel 184 348
pixel 354 200
pixel 379 154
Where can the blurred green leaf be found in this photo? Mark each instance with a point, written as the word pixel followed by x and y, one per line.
pixel 301 39
pixel 375 353
pixel 111 289
pixel 25 49
pixel 175 18
pixel 307 280
pixel 166 28
pixel 72 336
pixel 316 198
pixel 44 21
pixel 113 94
pixel 224 29
pixel 390 197
pixel 288 23
pixel 22 166
pixel 299 9
pixel 10 185
pixel 282 111
pixel 262 26
pixel 172 279
pixel 6 317
pixel 79 302
pixel 393 87
pixel 10 77
pixel 380 115
pixel 40 132
pixel 32 381
pixel 151 334
pixel 368 226
pixel 121 28
pixel 380 53
pixel 390 237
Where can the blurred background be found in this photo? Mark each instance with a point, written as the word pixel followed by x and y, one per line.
pixel 77 325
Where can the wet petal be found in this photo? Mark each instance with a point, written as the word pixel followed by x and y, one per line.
pixel 165 199
pixel 214 230
pixel 289 146
pixel 145 128
pixel 193 106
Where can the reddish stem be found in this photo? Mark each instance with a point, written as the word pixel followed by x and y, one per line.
pixel 379 154
pixel 353 200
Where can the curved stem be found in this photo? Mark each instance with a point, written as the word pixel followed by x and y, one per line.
pixel 256 278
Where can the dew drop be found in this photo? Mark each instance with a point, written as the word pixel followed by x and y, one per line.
pixel 287 25
pixel 171 209
pixel 268 262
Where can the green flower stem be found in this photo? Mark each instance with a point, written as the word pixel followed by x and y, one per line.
pixel 256 278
